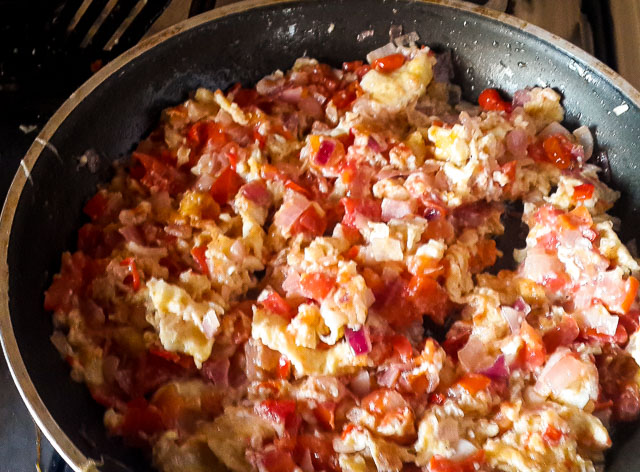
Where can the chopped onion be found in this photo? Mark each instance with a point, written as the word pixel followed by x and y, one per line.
pixel 598 318
pixel 473 356
pixel 291 95
pixel 270 84
pixel 498 370
pixel 383 51
pixel 155 252
pixel 217 370
pixel 602 161
pixel 257 192
pixel 522 306
pixel 306 463
pixel 373 145
pixel 210 324
pixel 464 449
pixel 291 284
pixel 516 141
pixel 394 31
pixel 291 210
pixel 406 39
pixel 358 340
pixel 561 370
pixel 59 340
pixel 585 138
pixel 389 376
pixel 521 97
pixel 179 231
pixel 204 183
pixel 327 146
pixel 361 383
pixel 397 208
pixel 553 129
pixel 390 173
pixel 311 107
pixel 237 250
pixel 448 430
pixel 132 234
pixel 513 317
pixel 443 69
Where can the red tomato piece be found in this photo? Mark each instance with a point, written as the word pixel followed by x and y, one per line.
pixel 159 175
pixel 428 298
pixel 199 255
pixel 204 133
pixel 275 460
pixel 275 303
pixel 284 368
pixel 96 207
pixel 141 420
pixel 490 100
pixel 388 63
pixel 474 383
pixel 317 284
pixel 278 411
pixel 532 354
pixel 469 464
pixel 291 185
pixel 310 222
pixel 557 149
pixel 583 192
pixel 562 335
pixel 226 186
pixel 130 262
pixel 402 346
pixel 325 413
pixel 552 436
pixel 369 208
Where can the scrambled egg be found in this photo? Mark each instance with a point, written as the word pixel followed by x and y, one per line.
pixel 183 324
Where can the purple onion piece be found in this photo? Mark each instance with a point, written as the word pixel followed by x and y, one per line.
pixel 601 160
pixel 443 70
pixel 358 340
pixel 498 370
pixel 324 153
pixel 373 144
pixel 522 306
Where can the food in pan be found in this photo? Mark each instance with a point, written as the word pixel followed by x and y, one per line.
pixel 298 277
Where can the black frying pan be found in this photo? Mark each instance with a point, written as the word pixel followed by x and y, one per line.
pixel 121 103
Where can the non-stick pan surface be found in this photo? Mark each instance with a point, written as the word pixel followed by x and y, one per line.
pixel 121 103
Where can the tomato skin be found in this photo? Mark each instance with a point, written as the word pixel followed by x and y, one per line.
pixel 198 254
pixel 388 63
pixel 226 186
pixel 532 354
pixel 557 149
pixel 96 207
pixel 284 368
pixel 325 413
pixel 141 420
pixel 203 133
pixel 428 297
pixel 562 335
pixel 368 208
pixel 130 262
pixel 157 174
pixel 490 100
pixel 402 346
pixel 317 284
pixel 343 99
pixel 278 411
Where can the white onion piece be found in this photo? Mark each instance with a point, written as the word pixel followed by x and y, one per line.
pixel 407 39
pixel 291 284
pixel 513 317
pixel 291 95
pixel 473 356
pixel 554 128
pixel 204 183
pixel 397 208
pixel 464 449
pixel 448 430
pixel 516 141
pixel 210 324
pixel 155 252
pixel 562 369
pixel 383 51
pixel 598 317
pixel 59 340
pixel 389 376
pixel 585 138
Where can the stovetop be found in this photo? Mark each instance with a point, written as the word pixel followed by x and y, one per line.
pixel 36 76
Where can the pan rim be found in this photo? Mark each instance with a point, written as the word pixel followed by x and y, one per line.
pixel 37 409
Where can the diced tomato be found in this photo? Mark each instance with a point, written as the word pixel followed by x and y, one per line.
pixel 583 192
pixel 278 411
pixel 199 254
pixel 561 335
pixel 291 185
pixel 536 152
pixel 257 192
pixel 130 262
pixel 259 139
pixel 203 133
pixel 509 169
pixel 426 266
pixel 456 338
pixel 325 413
pixel 382 402
pixel 620 337
pixel 428 298
pixel 317 284
pixel 630 293
pixel 578 218
pixel 402 346
pixel 140 421
pixel 552 436
pixel 342 99
pixel 474 383
pixel 76 274
pixel 275 303
pixel 532 353
pixel 310 222
pixel 275 460
pixel 469 464
pixel 437 398
pixel 369 208
pixel 351 66
pixel 490 99
pixel 388 63
pixel 557 149
pixel 159 175
pixel 226 186
pixel 232 155
pixel 323 456
pixel 284 368
pixel 96 207
pixel 630 320
pixel 486 255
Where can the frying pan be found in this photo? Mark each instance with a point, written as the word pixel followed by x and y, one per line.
pixel 121 103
